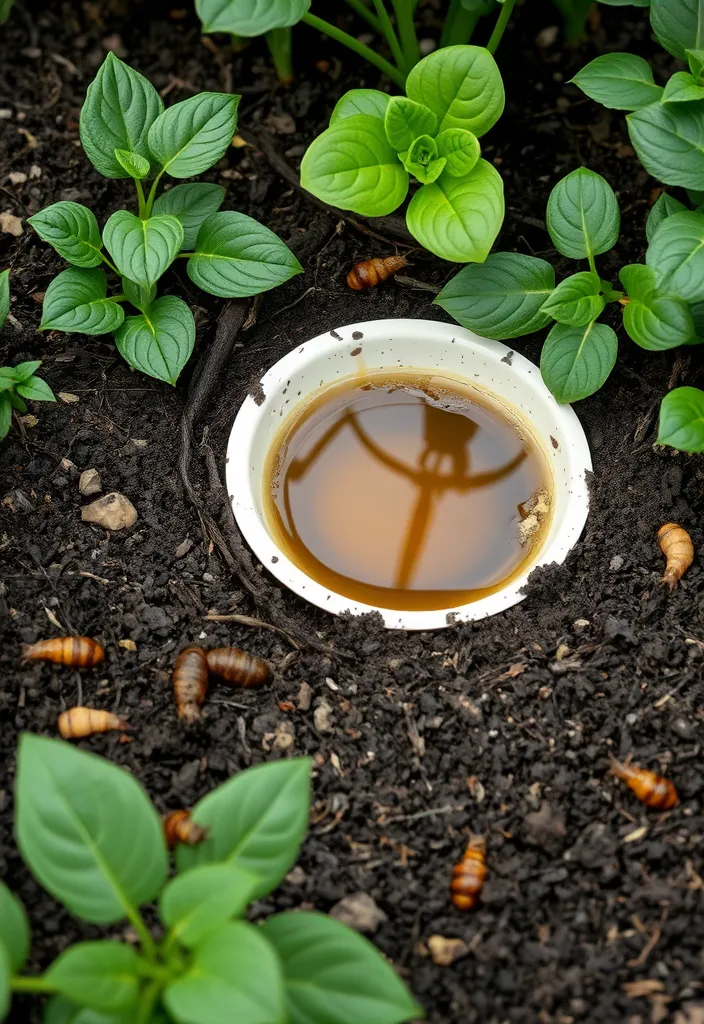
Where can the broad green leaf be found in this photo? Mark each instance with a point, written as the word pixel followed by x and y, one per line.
pixel 682 420
pixel 76 302
pixel 360 101
pixel 71 813
pixel 137 166
pixel 676 254
pixel 4 296
pixel 160 341
pixel 101 975
pixel 138 296
pixel 119 109
pixel 352 166
pixel 234 976
pixel 5 972
pixel 331 973
pixel 249 17
pixel 237 256
pixel 461 149
pixel 669 141
pixel 191 136
pixel 14 929
pixel 72 230
pixel 142 249
pixel 695 60
pixel 652 320
pixel 406 120
pixel 203 899
pixel 458 219
pixel 5 414
pixel 582 215
pixel 678 25
pixel 256 820
pixel 500 298
pixel 620 81
pixel 626 3
pixel 36 389
pixel 662 209
pixel 61 1010
pixel 682 88
pixel 577 300
pixel 422 160
pixel 462 85
pixel 23 371
pixel 576 361
pixel 191 203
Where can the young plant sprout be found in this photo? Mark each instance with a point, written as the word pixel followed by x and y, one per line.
pixel 127 133
pixel 19 382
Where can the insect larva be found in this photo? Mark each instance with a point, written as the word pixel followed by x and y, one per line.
pixel 237 667
pixel 179 827
pixel 651 789
pixel 676 545
pixel 76 723
pixel 468 876
pixel 370 273
pixel 74 651
pixel 190 682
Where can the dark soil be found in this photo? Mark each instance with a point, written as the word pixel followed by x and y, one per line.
pixel 477 726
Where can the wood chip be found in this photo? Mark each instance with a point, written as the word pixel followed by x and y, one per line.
pixel 127 645
pixel 10 225
pixel 67 398
pixel 445 951
pixel 642 987
pixel 637 834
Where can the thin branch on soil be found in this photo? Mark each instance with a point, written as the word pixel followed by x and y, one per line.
pixel 414 282
pixel 247 620
pixel 650 944
pixel 447 809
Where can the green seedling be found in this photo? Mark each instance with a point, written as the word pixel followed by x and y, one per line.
pixel 92 838
pixel 127 133
pixel 17 383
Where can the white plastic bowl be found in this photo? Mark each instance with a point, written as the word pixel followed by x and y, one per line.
pixel 423 345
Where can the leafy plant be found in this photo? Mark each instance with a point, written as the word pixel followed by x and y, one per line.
pixel 127 133
pixel 210 966
pixel 19 382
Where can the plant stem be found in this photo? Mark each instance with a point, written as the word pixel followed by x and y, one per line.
pixel 353 44
pixel 500 26
pixel 279 42
pixel 407 31
pixel 19 984
pixel 363 11
pixel 142 212
pixel 139 925
pixel 152 194
pixel 592 265
pixel 459 24
pixel 389 34
pixel 109 263
pixel 239 43
pixel 148 1002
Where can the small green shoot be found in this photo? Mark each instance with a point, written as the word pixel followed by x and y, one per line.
pixel 17 383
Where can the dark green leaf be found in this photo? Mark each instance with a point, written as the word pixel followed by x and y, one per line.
pixel 191 136
pixel 576 300
pixel 101 975
pixel 249 17
pixel 5 972
pixel 36 389
pixel 695 59
pixel 14 929
pixel 76 302
pixel 360 101
pixel 203 899
pixel 160 341
pixel 576 361
pixel 682 88
pixel 5 414
pixel 664 207
pixel 652 320
pixel 462 85
pixel 5 8
pixel 461 149
pixel 582 215
pixel 620 81
pixel 137 166
pixel 72 230
pixel 676 254
pixel 406 120
pixel 138 296
pixel 4 296
pixel 60 1010
pixel 678 25
pixel 17 403
pixel 191 204
pixel 669 141
pixel 682 420
pixel 142 249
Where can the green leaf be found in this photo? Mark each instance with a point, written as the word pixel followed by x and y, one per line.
pixel 682 88
pixel 203 899
pixel 234 976
pixel 652 320
pixel 4 296
pixel 60 1010
pixel 256 820
pixel 333 974
pixel 142 249
pixel 14 929
pixel 17 403
pixel 191 204
pixel 405 120
pixel 458 219
pixel 137 166
pixel 695 59
pixel 237 256
pixel 5 415
pixel 461 149
pixel 576 300
pixel 682 420
pixel 119 109
pixel 663 208
pixel 36 389
pixel 71 810
pixel 676 254
pixel 422 160
pixel 138 296
pixel 360 101
pixel 249 17
pixel 160 341
pixel 191 136
pixel 5 8
pixel 72 230
pixel 502 297
pixel 352 166
pixel 669 141
pixel 101 975
pixel 76 302
pixel 462 85
pixel 23 371
pixel 582 215
pixel 620 81
pixel 678 25
pixel 5 972
pixel 576 361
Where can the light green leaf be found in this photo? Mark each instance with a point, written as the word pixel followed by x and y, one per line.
pixel 582 215
pixel 458 219
pixel 405 120
pixel 678 25
pixel 14 930
pixel 60 1010
pixel 5 972
pixel 620 81
pixel 577 300
pixel 682 420
pixel 142 249
pixel 352 166
pixel 333 974
pixel 119 109
pixel 191 136
pixel 76 302
pixel 500 298
pixel 234 976
pixel 160 341
pixel 23 371
pixel 360 101
pixel 256 820
pixel 663 208
pixel 249 17
pixel 191 203
pixel 72 230
pixel 461 149
pixel 101 975
pixel 17 403
pixel 462 85
pixel 5 414
pixel 669 141
pixel 4 296
pixel 422 160
pixel 676 254
pixel 652 320
pixel 203 899
pixel 138 296
pixel 682 88
pixel 237 256
pixel 576 361
pixel 137 166
pixel 71 809
pixel 36 390
pixel 695 59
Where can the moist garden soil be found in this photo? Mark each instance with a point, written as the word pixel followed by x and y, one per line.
pixel 593 906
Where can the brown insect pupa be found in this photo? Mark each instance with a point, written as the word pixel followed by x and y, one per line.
pixel 370 273
pixel 77 723
pixel 651 789
pixel 190 682
pixel 676 545
pixel 237 667
pixel 179 827
pixel 74 651
pixel 469 875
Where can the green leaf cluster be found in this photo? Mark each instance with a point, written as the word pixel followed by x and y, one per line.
pixel 211 966
pixel 17 383
pixel 127 133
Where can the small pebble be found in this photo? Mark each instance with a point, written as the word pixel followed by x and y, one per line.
pixel 616 563
pixel 90 483
pixel 114 512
